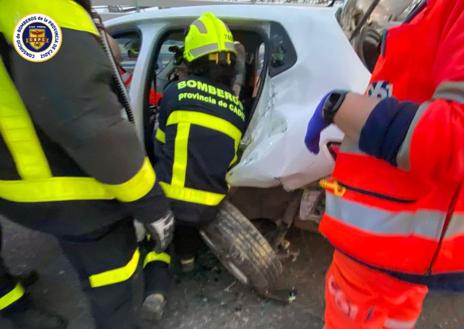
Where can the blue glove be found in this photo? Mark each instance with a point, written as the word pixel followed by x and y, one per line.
pixel 315 126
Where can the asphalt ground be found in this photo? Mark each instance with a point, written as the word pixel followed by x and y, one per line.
pixel 209 297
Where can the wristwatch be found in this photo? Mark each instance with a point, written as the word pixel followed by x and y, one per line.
pixel 332 104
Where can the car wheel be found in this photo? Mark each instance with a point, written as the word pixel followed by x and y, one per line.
pixel 242 249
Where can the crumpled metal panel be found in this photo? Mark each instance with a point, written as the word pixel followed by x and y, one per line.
pixel 275 153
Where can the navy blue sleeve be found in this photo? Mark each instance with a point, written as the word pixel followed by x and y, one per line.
pixel 162 113
pixel 166 104
pixel 386 128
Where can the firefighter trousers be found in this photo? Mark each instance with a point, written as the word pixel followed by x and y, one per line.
pixel 10 290
pixel 187 241
pixel 109 266
pixel 156 268
pixel 110 272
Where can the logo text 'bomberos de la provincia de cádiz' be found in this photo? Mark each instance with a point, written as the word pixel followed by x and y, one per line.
pixel 37 38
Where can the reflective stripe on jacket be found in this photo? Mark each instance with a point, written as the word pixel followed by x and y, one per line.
pixel 410 219
pixel 66 13
pixel 62 136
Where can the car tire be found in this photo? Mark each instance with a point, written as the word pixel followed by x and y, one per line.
pixel 242 249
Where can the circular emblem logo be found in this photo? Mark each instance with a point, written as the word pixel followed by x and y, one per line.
pixel 37 38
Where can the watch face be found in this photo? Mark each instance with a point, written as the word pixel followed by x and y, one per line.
pixel 332 104
pixel 333 99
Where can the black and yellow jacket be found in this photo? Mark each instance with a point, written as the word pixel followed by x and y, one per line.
pixel 68 159
pixel 200 128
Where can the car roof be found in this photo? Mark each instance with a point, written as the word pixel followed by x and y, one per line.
pixel 278 13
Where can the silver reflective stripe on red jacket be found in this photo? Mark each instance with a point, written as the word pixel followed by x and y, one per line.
pixel 449 90
pixel 398 324
pixel 403 154
pixel 422 223
pixel 456 226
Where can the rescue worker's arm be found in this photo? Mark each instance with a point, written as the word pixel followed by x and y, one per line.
pixel 434 146
pixel 352 121
pixel 70 99
pixel 379 127
pixel 426 138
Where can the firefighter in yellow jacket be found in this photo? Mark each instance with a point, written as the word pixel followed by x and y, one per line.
pixel 201 123
pixel 70 165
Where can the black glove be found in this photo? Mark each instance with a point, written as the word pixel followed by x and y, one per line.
pixel 161 231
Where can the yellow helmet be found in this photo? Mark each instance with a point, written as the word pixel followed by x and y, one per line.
pixel 207 35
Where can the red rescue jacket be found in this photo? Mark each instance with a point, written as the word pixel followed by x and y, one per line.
pixel 154 97
pixel 410 219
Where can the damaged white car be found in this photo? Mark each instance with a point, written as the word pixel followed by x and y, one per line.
pixel 293 56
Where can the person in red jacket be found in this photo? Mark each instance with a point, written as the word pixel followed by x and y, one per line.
pixel 154 97
pixel 395 201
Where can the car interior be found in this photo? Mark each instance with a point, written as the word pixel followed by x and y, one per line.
pixel 262 54
pixel 167 67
